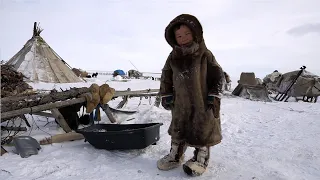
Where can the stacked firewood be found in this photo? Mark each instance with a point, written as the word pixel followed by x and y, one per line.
pixel 12 82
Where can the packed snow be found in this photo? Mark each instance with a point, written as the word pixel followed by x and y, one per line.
pixel 274 140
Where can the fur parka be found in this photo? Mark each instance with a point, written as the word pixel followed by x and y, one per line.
pixel 190 78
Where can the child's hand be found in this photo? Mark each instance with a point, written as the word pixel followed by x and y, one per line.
pixel 167 102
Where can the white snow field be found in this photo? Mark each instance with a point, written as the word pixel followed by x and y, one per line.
pixel 265 141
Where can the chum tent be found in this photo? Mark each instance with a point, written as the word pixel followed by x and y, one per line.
pixel 40 63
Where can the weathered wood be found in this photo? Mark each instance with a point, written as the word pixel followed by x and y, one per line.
pixel 62 122
pixel 14 103
pixel 132 93
pixel 74 90
pixel 106 109
pixel 22 116
pixel 71 136
pixel 44 114
pixel 9 104
pixel 143 94
pixel 3 151
pixel 30 110
pixel 124 100
pixel 11 128
pixel 158 100
pixel 122 111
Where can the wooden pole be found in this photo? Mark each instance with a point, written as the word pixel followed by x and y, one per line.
pixel 3 151
pixel 35 100
pixel 43 107
pixel 71 136
pixel 13 128
pixel 34 29
pixel 106 109
pixel 59 104
pixel 62 122
pixel 77 92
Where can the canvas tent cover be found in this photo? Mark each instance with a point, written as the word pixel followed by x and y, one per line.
pixel 39 62
pixel 307 84
pixel 134 73
pixel 250 88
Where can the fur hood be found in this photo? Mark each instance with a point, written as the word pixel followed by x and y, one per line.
pixel 188 20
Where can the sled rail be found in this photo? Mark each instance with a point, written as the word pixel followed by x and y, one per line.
pixel 5 115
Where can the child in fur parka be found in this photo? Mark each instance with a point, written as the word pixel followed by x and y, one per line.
pixel 191 83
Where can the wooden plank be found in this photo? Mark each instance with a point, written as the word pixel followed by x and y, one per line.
pixel 106 109
pixel 81 90
pixel 72 92
pixel 22 116
pixel 11 128
pixel 30 110
pixel 62 122
pixel 71 136
pixel 3 151
pixel 44 114
pixel 14 104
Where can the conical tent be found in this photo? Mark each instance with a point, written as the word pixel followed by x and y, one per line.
pixel 40 63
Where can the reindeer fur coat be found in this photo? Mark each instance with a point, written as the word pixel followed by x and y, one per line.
pixel 190 75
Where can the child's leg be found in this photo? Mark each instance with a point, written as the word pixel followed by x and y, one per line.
pixel 197 165
pixel 174 158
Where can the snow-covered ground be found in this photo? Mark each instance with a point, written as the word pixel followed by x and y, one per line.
pixel 276 140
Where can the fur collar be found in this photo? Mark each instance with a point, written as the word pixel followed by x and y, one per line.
pixel 186 51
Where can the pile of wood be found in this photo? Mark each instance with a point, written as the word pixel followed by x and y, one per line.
pixel 12 82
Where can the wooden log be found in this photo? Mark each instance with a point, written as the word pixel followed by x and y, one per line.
pixel 158 100
pixel 11 128
pixel 62 122
pixel 137 92
pixel 9 104
pixel 22 116
pixel 71 136
pixel 3 151
pixel 44 114
pixel 106 109
pixel 29 110
pixel 143 94
pixel 124 100
pixel 73 94
pixel 122 111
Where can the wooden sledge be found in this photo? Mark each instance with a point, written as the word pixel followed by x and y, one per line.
pixel 36 104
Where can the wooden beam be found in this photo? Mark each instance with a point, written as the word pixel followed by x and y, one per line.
pixel 62 122
pixel 77 91
pixel 106 109
pixel 44 114
pixel 22 116
pixel 14 104
pixel 3 151
pixel 11 128
pixel 30 110
pixel 71 136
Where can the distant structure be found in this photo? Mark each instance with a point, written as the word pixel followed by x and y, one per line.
pixel 40 63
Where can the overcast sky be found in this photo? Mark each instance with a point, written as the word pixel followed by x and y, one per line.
pixel 245 35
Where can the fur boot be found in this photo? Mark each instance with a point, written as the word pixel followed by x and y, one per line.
pixel 197 165
pixel 174 159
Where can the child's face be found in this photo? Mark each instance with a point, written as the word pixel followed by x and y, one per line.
pixel 183 35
